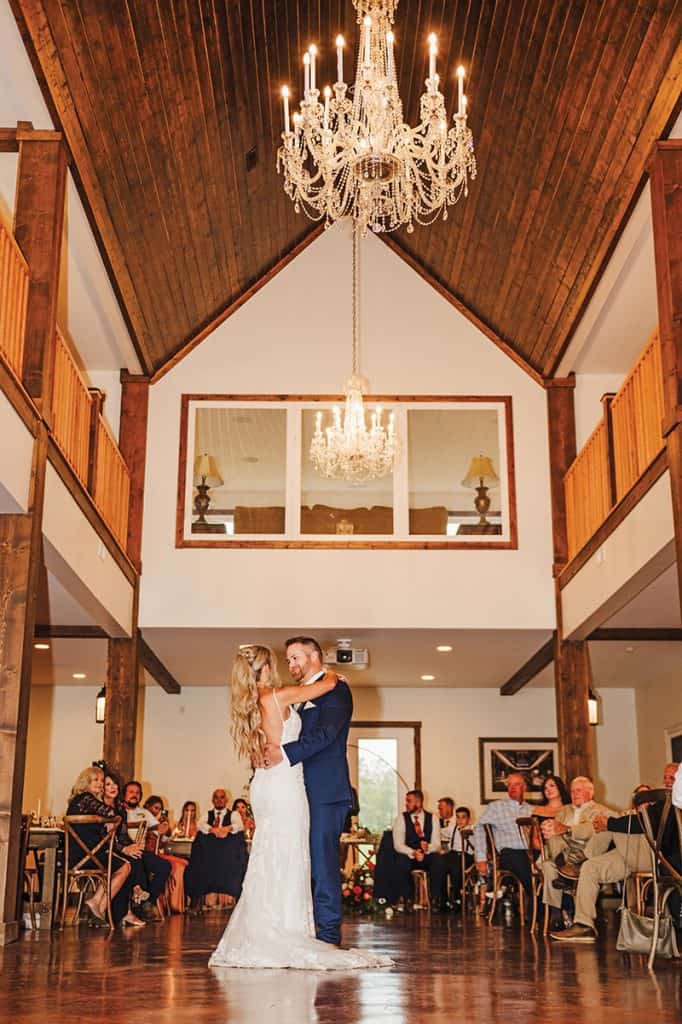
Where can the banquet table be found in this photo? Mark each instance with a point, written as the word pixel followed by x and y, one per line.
pixel 50 841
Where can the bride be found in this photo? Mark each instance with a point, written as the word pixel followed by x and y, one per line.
pixel 272 924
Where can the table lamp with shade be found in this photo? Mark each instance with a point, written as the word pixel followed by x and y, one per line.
pixel 206 475
pixel 481 476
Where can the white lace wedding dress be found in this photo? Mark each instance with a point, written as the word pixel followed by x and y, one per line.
pixel 272 924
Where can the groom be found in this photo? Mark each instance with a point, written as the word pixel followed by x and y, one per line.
pixel 322 749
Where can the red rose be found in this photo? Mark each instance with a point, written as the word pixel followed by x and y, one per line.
pixel 357 889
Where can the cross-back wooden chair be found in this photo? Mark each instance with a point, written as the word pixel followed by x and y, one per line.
pixel 530 830
pixel 468 890
pixel 29 881
pixel 94 866
pixel 666 876
pixel 500 876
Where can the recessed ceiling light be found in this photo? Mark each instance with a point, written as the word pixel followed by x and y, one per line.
pixel 444 648
pixel 79 675
pixel 428 679
pixel 42 647
pixel 250 458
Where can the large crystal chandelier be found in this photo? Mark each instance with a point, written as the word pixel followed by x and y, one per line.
pixel 350 152
pixel 347 449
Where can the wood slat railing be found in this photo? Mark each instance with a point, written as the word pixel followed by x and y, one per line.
pixel 111 483
pixel 14 280
pixel 71 403
pixel 637 413
pixel 587 489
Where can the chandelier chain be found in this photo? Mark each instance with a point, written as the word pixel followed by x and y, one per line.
pixel 356 296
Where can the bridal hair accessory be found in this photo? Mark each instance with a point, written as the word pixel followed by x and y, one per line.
pixel 248 653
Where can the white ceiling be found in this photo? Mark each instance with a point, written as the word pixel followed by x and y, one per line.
pixel 623 310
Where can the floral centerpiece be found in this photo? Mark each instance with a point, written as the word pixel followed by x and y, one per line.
pixel 357 890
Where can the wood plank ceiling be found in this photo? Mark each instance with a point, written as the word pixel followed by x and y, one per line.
pixel 171 110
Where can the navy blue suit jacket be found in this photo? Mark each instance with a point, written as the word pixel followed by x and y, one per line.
pixel 322 747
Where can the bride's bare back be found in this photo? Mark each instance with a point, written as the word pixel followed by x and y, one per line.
pixel 274 716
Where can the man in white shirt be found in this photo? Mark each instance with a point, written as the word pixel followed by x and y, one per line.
pixel 217 864
pixel 416 840
pixel 156 869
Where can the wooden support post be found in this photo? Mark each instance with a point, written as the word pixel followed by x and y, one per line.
pixel 38 228
pixel 133 445
pixel 93 446
pixel 572 680
pixel 120 717
pixel 571 660
pixel 20 564
pixel 562 452
pixel 666 203
pixel 607 402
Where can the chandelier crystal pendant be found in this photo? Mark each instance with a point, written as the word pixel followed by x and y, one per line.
pixel 350 152
pixel 347 449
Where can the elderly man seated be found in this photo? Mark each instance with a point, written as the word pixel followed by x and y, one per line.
pixel 502 816
pixel 630 854
pixel 568 837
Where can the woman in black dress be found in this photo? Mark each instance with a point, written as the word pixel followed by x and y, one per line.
pixel 86 798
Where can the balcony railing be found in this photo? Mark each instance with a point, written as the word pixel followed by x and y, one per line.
pixel 111 483
pixel 14 279
pixel 625 442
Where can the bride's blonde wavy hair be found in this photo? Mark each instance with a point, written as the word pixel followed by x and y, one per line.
pixel 247 724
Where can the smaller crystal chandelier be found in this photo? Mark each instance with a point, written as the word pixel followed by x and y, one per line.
pixel 347 450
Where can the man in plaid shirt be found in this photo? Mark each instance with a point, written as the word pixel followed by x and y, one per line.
pixel 509 841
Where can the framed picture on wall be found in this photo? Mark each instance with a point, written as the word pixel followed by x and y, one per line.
pixel 535 759
pixel 673 739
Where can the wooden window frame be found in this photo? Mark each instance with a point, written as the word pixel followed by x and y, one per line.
pixel 509 543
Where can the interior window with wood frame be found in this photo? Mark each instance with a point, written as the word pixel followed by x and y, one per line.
pixel 246 477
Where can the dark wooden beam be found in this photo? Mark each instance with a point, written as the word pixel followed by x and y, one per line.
pixel 157 670
pixel 666 206
pixel 38 229
pixel 49 632
pixel 133 445
pixel 634 634
pixel 562 452
pixel 540 660
pixel 572 675
pixel 20 567
pixel 120 717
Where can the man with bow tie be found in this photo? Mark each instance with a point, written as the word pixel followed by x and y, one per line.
pixel 416 840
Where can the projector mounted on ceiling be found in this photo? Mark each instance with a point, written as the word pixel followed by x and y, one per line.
pixel 344 654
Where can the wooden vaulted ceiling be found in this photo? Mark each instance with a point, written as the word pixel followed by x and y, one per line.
pixel 172 113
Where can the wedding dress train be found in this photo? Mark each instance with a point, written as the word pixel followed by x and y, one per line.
pixel 272 924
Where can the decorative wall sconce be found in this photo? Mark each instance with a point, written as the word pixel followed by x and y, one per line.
pixel 100 706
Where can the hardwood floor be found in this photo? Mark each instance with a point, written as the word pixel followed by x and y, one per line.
pixel 446 970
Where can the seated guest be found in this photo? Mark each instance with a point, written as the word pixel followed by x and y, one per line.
pixel 555 795
pixel 175 890
pixel 242 815
pixel 86 798
pixel 446 820
pixel 449 863
pixel 568 836
pixel 187 824
pixel 218 862
pixel 112 798
pixel 501 815
pixel 157 870
pixel 416 840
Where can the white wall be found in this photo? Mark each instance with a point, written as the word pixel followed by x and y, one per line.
pixel 185 750
pixel 589 388
pixel 659 707
pixel 294 337
pixel 16 458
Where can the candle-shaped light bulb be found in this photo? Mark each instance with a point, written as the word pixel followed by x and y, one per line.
pixel 390 63
pixel 327 98
pixel 306 73
pixel 313 55
pixel 285 100
pixel 433 50
pixel 464 104
pixel 368 39
pixel 318 423
pixel 340 43
pixel 460 89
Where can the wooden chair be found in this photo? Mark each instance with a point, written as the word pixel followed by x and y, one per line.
pixel 422 890
pixel 468 890
pixel 29 879
pixel 82 875
pixel 500 876
pixel 530 830
pixel 666 878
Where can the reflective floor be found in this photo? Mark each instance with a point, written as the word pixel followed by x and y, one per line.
pixel 445 970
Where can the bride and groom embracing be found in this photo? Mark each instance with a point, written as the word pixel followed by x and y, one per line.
pixel 289 913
